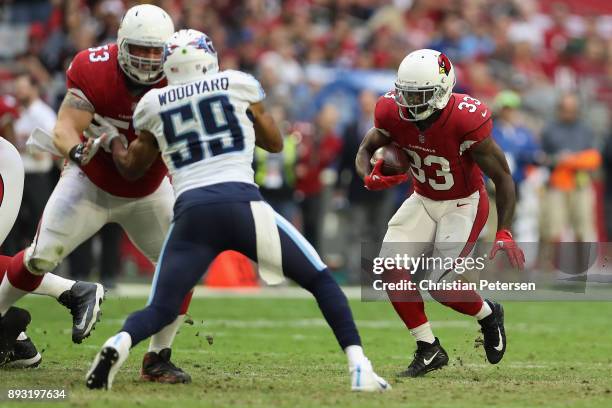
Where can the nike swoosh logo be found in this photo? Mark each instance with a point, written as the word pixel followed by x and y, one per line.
pixel 500 346
pixel 81 325
pixel 462 204
pixel 484 113
pixel 426 361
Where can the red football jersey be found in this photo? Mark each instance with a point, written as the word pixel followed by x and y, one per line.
pixel 95 75
pixel 441 167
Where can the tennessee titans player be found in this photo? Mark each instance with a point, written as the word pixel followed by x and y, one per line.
pixel 206 124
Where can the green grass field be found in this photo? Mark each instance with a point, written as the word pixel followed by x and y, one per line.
pixel 279 352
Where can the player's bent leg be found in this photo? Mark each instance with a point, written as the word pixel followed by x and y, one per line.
pixel 302 264
pixel 146 223
pixel 184 260
pixel 457 232
pixel 17 283
pixel 73 214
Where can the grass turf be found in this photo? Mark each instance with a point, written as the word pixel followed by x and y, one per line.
pixel 279 352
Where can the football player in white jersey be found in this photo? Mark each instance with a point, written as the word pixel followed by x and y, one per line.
pixel 206 124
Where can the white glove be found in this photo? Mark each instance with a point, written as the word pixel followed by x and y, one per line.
pixel 105 132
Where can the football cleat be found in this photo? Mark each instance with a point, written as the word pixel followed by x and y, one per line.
pixel 14 321
pixel 364 379
pixel 427 357
pixel 494 333
pixel 158 367
pixel 104 368
pixel 83 300
pixel 24 355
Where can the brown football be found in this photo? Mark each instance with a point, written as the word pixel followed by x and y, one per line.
pixel 395 160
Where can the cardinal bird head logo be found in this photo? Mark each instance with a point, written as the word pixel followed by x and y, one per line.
pixel 444 64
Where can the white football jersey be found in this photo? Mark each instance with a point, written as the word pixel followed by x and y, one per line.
pixel 202 128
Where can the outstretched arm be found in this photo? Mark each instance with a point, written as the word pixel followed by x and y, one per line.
pixel 134 161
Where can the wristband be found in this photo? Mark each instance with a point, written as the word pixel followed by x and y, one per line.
pixel 76 153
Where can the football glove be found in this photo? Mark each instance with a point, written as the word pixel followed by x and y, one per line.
pixel 377 181
pixel 505 242
pixel 104 131
pixel 82 153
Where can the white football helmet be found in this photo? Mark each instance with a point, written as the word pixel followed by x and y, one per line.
pixel 146 26
pixel 189 54
pixel 425 81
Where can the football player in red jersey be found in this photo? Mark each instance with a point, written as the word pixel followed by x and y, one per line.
pixel 107 81
pixel 446 136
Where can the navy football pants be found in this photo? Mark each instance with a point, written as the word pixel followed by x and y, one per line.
pixel 202 231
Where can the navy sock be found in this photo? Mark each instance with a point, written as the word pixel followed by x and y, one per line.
pixel 146 322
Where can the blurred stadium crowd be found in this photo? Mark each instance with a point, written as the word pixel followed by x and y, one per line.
pixel 544 67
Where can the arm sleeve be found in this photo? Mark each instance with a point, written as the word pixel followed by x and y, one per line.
pixel 247 87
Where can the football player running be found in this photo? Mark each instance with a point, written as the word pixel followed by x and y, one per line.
pixel 16 348
pixel 446 136
pixel 206 124
pixel 104 84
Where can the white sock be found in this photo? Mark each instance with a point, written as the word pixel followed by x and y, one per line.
pixel 53 285
pixel 22 336
pixel 9 295
pixel 423 333
pixel 122 342
pixel 165 337
pixel 485 311
pixel 355 355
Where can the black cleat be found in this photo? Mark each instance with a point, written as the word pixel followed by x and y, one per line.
pixel 24 355
pixel 83 300
pixel 427 357
pixel 158 367
pixel 14 321
pixel 103 369
pixel 494 333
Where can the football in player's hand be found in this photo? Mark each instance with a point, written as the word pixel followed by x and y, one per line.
pixel 395 160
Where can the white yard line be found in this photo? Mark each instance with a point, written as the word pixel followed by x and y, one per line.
pixel 280 292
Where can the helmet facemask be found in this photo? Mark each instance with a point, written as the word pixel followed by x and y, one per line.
pixel 418 102
pixel 143 70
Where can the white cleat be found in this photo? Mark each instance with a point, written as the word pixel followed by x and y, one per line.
pixel 105 366
pixel 364 379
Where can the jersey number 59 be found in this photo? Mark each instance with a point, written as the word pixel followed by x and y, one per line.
pixel 219 132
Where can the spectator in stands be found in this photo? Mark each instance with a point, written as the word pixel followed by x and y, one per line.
pixel 522 153
pixel 369 210
pixel 319 148
pixel 275 172
pixel 569 143
pixel 39 179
